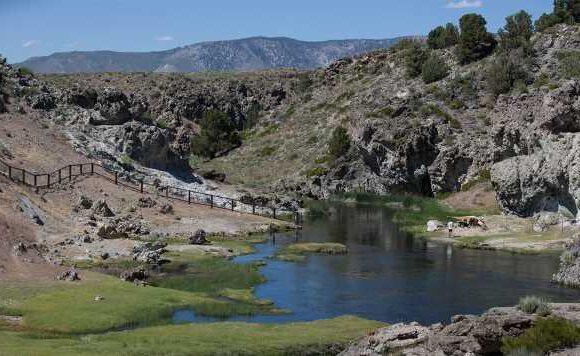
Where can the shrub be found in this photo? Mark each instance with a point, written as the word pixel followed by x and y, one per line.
pixel 532 304
pixel 434 69
pixel 267 151
pixel 546 335
pixel 25 72
pixel 339 143
pixel 475 42
pixel 415 57
pixel 432 109
pixel 443 37
pixel 569 64
pixel 567 258
pixel 217 136
pixel 504 72
pixel 384 112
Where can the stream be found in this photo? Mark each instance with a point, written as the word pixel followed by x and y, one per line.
pixel 390 276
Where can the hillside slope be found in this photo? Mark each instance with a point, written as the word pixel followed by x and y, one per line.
pixel 406 136
pixel 244 54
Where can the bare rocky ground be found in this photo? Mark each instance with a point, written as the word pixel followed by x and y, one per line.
pixel 53 228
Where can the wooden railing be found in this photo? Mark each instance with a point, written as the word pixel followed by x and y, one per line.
pixel 68 173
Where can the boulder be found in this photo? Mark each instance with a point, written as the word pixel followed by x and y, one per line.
pixel 110 232
pixel 69 275
pixel 134 274
pixel 43 101
pixel 198 238
pixel 84 203
pixel 389 340
pixel 113 106
pixel 434 225
pixel 146 202
pixel 149 253
pixel 102 208
pixel 166 209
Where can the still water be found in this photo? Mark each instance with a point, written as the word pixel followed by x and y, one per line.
pixel 392 277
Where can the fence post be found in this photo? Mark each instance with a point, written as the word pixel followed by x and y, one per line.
pixel 92 168
pixel 23 177
pixel 274 211
pixel 69 172
pixel 59 175
pixel 189 197
pixel 141 186
pixel 116 177
pixel 9 172
pixel 232 204
pixel 167 192
pixel 48 180
pixel 253 207
pixel 35 180
pixel 81 169
pixel 211 201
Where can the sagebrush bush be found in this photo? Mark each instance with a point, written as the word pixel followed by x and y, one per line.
pixel 569 64
pixel 434 69
pixel 533 304
pixel 545 336
pixel 504 72
pixel 339 143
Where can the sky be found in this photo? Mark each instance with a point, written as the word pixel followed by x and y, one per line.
pixel 41 27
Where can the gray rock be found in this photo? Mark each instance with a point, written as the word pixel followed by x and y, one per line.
pixel 70 275
pixel 149 253
pixel 43 101
pixel 102 208
pixel 388 340
pixel 166 209
pixel 134 274
pixel 34 213
pixel 198 238
pixel 111 232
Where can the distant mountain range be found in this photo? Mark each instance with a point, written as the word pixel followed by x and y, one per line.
pixel 237 55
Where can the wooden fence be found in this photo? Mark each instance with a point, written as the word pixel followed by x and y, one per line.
pixel 68 173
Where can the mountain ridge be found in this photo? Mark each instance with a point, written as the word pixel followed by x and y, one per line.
pixel 246 54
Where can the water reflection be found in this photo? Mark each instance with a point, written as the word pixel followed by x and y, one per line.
pixel 392 277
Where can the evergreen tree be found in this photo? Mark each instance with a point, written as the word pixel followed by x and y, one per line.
pixel 517 32
pixel 415 57
pixel 475 42
pixel 434 69
pixel 443 37
pixel 339 143
pixel 218 135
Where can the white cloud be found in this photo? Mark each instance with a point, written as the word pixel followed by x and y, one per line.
pixel 30 43
pixel 463 4
pixel 164 38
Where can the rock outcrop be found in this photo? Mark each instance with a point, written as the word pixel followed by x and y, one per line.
pixel 466 335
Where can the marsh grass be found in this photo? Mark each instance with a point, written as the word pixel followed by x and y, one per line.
pixel 296 252
pixel 318 337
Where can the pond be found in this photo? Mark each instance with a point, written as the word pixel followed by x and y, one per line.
pixel 390 276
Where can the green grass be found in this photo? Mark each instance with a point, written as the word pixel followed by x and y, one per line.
pixel 296 252
pixel 546 335
pixel 209 275
pixel 318 337
pixel 73 310
pixel 534 305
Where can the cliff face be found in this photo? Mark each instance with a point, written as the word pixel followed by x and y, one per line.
pixel 406 136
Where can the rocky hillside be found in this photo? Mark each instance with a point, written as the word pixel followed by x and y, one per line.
pixel 245 54
pixel 406 136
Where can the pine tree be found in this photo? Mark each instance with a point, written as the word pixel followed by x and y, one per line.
pixel 517 32
pixel 475 42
